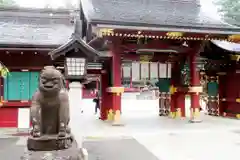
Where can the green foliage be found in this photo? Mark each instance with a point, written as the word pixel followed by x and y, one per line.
pixel 4 72
pixel 230 10
pixel 185 73
pixel 7 3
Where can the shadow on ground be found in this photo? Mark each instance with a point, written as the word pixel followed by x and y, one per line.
pixel 117 149
pixel 9 150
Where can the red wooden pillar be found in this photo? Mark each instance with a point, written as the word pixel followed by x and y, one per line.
pixel 116 90
pixel 116 79
pixel 173 95
pixel 97 84
pixel 173 105
pixel 105 102
pixel 222 94
pixel 180 104
pixel 177 98
pixel 195 82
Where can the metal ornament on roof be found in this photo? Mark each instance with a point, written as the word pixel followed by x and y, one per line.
pixel 174 34
pixel 234 38
pixel 145 58
pixel 101 32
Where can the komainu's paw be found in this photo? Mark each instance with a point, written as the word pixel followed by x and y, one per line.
pixel 62 134
pixel 62 130
pixel 35 132
pixel 68 130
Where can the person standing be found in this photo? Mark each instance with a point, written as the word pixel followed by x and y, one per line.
pixel 97 101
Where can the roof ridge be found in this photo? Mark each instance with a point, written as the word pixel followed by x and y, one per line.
pixel 26 13
pixel 38 10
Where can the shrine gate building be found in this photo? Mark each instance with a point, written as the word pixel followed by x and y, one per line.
pixel 173 37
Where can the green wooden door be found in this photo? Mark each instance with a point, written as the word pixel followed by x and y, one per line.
pixel 24 85
pixel 12 86
pixel 212 88
pixel 163 84
pixel 20 85
pixel 34 81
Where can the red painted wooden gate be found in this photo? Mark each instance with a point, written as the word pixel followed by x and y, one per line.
pixel 232 93
pixel 8 117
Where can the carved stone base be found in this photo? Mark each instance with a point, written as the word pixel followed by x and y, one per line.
pixel 49 142
pixel 72 153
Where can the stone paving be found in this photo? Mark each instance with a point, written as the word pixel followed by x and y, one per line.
pixel 152 136
pixel 9 150
pixel 215 138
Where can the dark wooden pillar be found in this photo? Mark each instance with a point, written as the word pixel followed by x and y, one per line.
pixel 104 95
pixel 131 84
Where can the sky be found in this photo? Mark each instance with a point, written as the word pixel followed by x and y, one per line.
pixel 206 5
pixel 42 3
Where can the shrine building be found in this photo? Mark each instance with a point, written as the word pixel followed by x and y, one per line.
pixel 172 44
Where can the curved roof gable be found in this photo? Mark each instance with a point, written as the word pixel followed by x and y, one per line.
pixel 76 42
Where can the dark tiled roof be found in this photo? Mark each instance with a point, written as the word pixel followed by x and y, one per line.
pixel 42 27
pixel 175 13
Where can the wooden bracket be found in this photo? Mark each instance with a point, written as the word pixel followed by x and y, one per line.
pixel 224 99
pixel 221 73
pixel 234 38
pixel 196 89
pixel 173 89
pixel 238 100
pixel 117 90
pixel 238 116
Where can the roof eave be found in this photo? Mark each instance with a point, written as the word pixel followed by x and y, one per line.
pixel 29 45
pixel 60 50
pixel 155 27
pixel 74 43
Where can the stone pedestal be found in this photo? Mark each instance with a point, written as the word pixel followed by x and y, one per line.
pixel 71 153
pixel 75 95
pixel 76 107
pixel 49 143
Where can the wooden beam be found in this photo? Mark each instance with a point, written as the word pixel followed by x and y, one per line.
pixel 26 49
